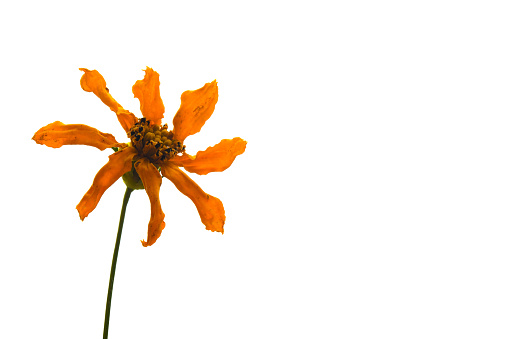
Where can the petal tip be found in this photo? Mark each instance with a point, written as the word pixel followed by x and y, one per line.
pixel 215 228
pixel 82 215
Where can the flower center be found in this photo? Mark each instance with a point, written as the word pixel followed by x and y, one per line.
pixel 154 142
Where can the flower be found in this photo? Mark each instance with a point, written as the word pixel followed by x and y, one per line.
pixel 153 149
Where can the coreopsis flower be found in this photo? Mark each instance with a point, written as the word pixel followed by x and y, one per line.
pixel 153 149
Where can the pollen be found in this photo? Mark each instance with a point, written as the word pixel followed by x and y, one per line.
pixel 154 142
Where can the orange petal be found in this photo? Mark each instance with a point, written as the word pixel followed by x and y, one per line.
pixel 57 134
pixel 147 91
pixel 152 182
pixel 195 109
pixel 120 162
pixel 93 81
pixel 213 159
pixel 210 208
pixel 126 119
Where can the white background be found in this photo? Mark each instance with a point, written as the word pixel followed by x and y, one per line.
pixel 371 202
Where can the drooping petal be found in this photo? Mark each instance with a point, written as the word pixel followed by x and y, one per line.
pixel 195 109
pixel 214 159
pixel 152 182
pixel 93 81
pixel 57 134
pixel 147 91
pixel 210 208
pixel 119 163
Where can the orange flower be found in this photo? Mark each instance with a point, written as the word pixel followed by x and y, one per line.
pixel 152 148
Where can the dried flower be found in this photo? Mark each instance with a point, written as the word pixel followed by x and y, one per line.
pixel 153 149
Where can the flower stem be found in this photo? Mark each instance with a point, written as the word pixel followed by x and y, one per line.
pixel 114 261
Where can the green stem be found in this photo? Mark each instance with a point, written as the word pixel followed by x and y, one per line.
pixel 114 261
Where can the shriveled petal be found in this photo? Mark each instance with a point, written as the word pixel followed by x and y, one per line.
pixel 119 163
pixel 210 208
pixel 147 91
pixel 195 109
pixel 93 81
pixel 57 134
pixel 126 119
pixel 214 159
pixel 152 182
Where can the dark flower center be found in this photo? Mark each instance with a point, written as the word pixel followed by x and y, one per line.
pixel 153 141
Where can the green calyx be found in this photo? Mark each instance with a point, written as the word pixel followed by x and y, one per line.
pixel 133 180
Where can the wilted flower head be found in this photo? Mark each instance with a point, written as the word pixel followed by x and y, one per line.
pixel 153 149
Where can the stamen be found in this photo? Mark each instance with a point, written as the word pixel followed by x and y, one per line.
pixel 153 141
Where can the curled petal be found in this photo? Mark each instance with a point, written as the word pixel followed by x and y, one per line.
pixel 210 208
pixel 57 134
pixel 93 81
pixel 126 119
pixel 214 159
pixel 118 164
pixel 152 182
pixel 195 109
pixel 147 91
